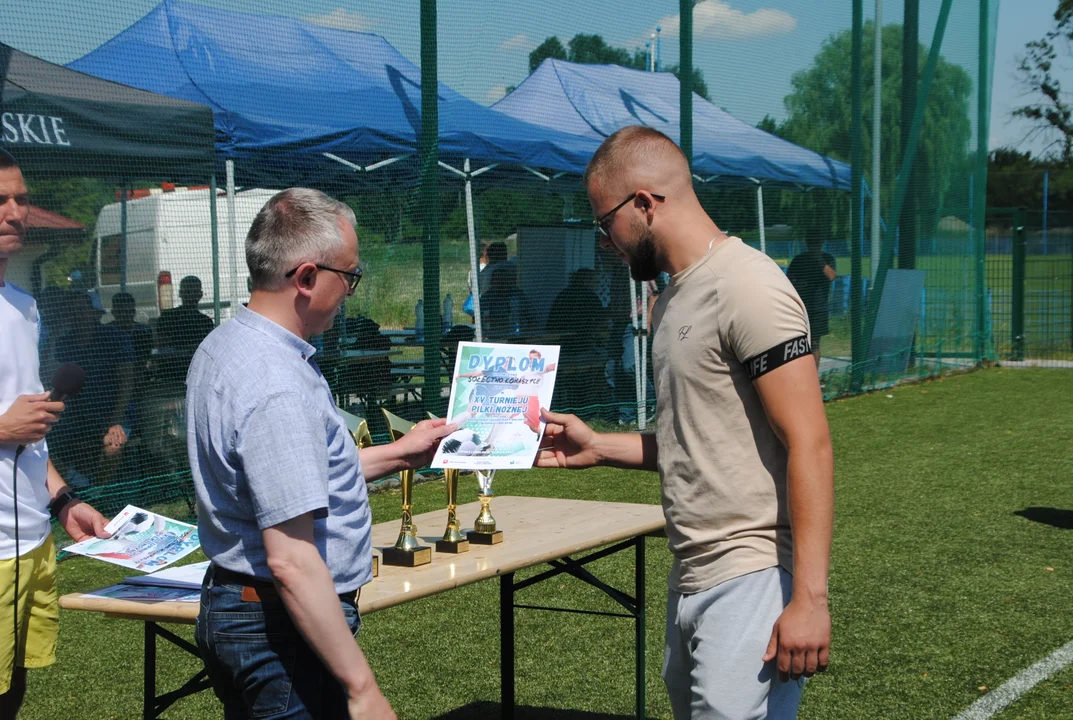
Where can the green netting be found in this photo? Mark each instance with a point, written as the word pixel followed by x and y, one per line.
pixel 150 231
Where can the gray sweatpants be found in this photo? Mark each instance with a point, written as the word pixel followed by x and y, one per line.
pixel 715 641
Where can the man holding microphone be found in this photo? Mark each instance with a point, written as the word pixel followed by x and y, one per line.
pixel 282 508
pixel 26 416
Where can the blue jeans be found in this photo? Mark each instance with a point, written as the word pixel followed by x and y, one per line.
pixel 258 663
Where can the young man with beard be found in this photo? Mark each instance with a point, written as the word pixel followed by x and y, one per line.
pixel 741 443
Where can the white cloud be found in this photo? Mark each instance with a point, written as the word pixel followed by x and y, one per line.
pixel 496 93
pixel 343 19
pixel 520 43
pixel 717 20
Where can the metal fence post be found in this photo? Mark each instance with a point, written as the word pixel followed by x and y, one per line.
pixel 1017 306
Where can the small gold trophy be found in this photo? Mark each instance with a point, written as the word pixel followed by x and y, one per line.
pixel 408 550
pixel 363 439
pixel 484 527
pixel 453 540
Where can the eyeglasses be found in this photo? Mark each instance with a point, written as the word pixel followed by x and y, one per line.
pixel 353 278
pixel 601 222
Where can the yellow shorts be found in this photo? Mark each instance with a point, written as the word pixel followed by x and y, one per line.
pixel 39 611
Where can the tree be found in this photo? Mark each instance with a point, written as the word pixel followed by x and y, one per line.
pixel 594 50
pixel 820 119
pixel 1052 111
pixel 550 48
pixel 768 125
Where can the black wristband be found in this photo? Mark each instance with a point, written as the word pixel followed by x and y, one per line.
pixel 61 501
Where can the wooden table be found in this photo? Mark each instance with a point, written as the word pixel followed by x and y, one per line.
pixel 538 530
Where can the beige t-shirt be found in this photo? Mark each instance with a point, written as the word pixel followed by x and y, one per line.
pixel 722 468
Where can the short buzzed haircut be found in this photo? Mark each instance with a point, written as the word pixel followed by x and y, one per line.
pixel 630 147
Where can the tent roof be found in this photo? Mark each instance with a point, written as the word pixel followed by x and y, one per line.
pixel 280 85
pixel 56 120
pixel 40 219
pixel 596 100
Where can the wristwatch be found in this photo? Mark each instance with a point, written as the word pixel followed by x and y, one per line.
pixel 61 501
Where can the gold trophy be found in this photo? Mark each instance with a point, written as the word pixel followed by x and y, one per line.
pixel 453 541
pixel 363 439
pixel 484 527
pixel 408 550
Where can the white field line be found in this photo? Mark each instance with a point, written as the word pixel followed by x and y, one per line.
pixel 998 700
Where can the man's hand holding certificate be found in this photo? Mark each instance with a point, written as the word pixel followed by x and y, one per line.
pixel 496 395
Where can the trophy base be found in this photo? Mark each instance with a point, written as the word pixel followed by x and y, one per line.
pixel 407 558
pixel 452 546
pixel 485 538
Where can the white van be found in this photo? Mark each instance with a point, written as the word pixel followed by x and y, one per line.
pixel 169 236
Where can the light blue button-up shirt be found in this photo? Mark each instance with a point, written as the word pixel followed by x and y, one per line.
pixel 266 445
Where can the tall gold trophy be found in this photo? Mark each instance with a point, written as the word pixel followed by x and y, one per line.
pixel 453 541
pixel 408 550
pixel 363 439
pixel 484 527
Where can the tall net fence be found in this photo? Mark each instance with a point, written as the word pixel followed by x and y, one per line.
pixel 149 136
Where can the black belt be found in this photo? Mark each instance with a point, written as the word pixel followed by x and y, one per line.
pixel 255 589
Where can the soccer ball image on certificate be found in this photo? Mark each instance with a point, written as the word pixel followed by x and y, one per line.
pixel 496 396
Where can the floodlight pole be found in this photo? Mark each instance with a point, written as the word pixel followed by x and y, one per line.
pixel 430 202
pixel 983 128
pixel 856 196
pixel 685 82
pixel 907 223
pixel 877 140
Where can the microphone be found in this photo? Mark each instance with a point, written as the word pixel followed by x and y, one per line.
pixel 67 381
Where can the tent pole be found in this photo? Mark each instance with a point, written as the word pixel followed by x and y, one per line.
pixel 232 235
pixel 643 359
pixel 877 143
pixel 214 226
pixel 636 351
pixel 122 238
pixel 760 218
pixel 475 288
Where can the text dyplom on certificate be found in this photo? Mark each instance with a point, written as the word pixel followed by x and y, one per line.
pixel 496 395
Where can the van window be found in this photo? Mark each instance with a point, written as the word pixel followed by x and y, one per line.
pixel 111 268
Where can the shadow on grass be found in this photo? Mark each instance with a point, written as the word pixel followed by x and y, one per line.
pixel 488 710
pixel 1062 519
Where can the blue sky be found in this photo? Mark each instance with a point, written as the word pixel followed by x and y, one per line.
pixel 748 49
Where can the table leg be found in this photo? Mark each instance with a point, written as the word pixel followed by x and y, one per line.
pixel 506 645
pixel 149 678
pixel 639 594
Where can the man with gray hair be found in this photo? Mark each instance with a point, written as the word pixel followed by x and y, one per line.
pixel 283 512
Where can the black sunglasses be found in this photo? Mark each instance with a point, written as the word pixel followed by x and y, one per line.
pixel 602 220
pixel 353 278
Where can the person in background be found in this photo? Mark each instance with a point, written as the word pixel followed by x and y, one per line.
pixel 812 273
pixel 88 445
pixel 180 330
pixel 26 416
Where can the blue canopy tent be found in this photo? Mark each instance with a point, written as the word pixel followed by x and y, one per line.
pixel 596 100
pixel 299 103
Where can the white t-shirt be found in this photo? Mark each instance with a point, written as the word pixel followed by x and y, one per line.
pixel 20 327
